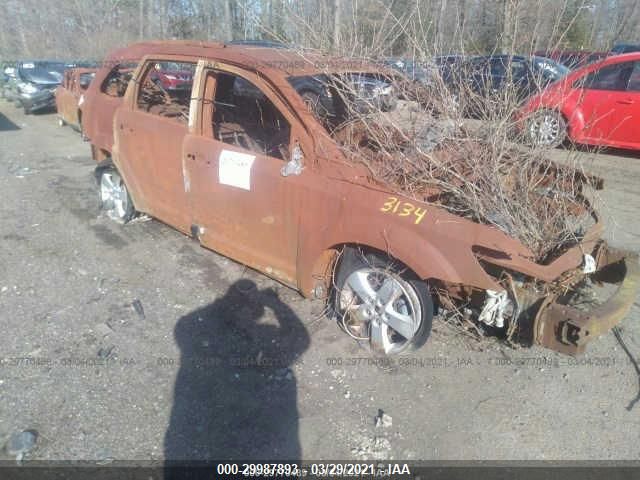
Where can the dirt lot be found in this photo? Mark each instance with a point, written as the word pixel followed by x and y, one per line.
pixel 133 343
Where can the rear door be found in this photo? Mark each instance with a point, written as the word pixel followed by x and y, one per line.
pixel 241 203
pixel 151 127
pixel 103 106
pixel 604 105
pixel 63 97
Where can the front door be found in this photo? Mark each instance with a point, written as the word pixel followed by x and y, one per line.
pixel 241 203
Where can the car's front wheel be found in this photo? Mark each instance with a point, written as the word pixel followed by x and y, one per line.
pixel 114 196
pixel 379 301
pixel 547 128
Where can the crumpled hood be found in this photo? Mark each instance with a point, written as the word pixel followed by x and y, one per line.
pixel 40 76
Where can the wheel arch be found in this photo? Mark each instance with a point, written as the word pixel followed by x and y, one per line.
pixel 315 276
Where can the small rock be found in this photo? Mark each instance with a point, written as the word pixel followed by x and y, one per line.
pixel 289 375
pixel 383 420
pixel 137 306
pixel 4 289
pixel 347 394
pixel 105 352
pixel 21 443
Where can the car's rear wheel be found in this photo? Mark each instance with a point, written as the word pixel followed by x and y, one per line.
pixel 547 128
pixel 379 301
pixel 114 196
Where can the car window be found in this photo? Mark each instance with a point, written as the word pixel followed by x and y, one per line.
pixel 498 67
pixel 85 80
pixel 165 89
pixel 611 77
pixel 115 85
pixel 634 80
pixel 245 117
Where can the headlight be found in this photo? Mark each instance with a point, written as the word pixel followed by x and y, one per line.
pixel 27 88
pixel 382 90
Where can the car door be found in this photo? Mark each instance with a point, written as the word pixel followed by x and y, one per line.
pixel 150 128
pixel 628 105
pixel 603 102
pixel 242 205
pixel 63 97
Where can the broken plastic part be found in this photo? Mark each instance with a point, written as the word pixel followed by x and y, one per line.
pixel 494 308
pixel 588 264
pixel 293 166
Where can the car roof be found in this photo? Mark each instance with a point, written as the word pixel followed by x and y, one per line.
pixel 501 56
pixel 262 59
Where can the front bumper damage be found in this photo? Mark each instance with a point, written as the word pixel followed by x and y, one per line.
pixel 567 329
pixel 44 99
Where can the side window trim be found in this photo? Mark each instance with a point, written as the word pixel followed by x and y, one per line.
pixel 244 139
pixel 623 70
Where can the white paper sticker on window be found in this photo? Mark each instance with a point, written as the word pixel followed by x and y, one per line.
pixel 235 169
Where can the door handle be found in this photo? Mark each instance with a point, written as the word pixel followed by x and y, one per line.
pixel 626 101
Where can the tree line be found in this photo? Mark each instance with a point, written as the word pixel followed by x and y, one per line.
pixel 83 29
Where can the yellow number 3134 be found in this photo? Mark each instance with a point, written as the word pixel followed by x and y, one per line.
pixel 403 209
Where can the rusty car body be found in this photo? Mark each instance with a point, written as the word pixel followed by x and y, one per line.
pixel 279 195
pixel 69 96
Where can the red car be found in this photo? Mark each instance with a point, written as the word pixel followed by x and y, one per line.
pixel 171 77
pixel 598 104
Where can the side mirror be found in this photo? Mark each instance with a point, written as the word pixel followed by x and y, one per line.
pixel 293 166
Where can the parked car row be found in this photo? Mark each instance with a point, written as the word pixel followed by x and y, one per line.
pixel 595 104
pixel 598 104
pixel 35 86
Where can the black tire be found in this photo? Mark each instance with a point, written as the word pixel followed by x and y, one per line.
pixel 554 138
pixel 354 259
pixel 120 209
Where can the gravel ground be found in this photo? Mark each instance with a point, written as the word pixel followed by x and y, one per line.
pixel 132 342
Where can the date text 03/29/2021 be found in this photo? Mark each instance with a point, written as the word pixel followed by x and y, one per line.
pixel 318 469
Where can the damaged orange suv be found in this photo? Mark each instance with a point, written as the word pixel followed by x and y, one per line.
pixel 241 158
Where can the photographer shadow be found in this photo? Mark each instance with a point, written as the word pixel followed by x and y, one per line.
pixel 235 396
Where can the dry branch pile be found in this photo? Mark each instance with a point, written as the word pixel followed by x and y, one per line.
pixel 522 193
